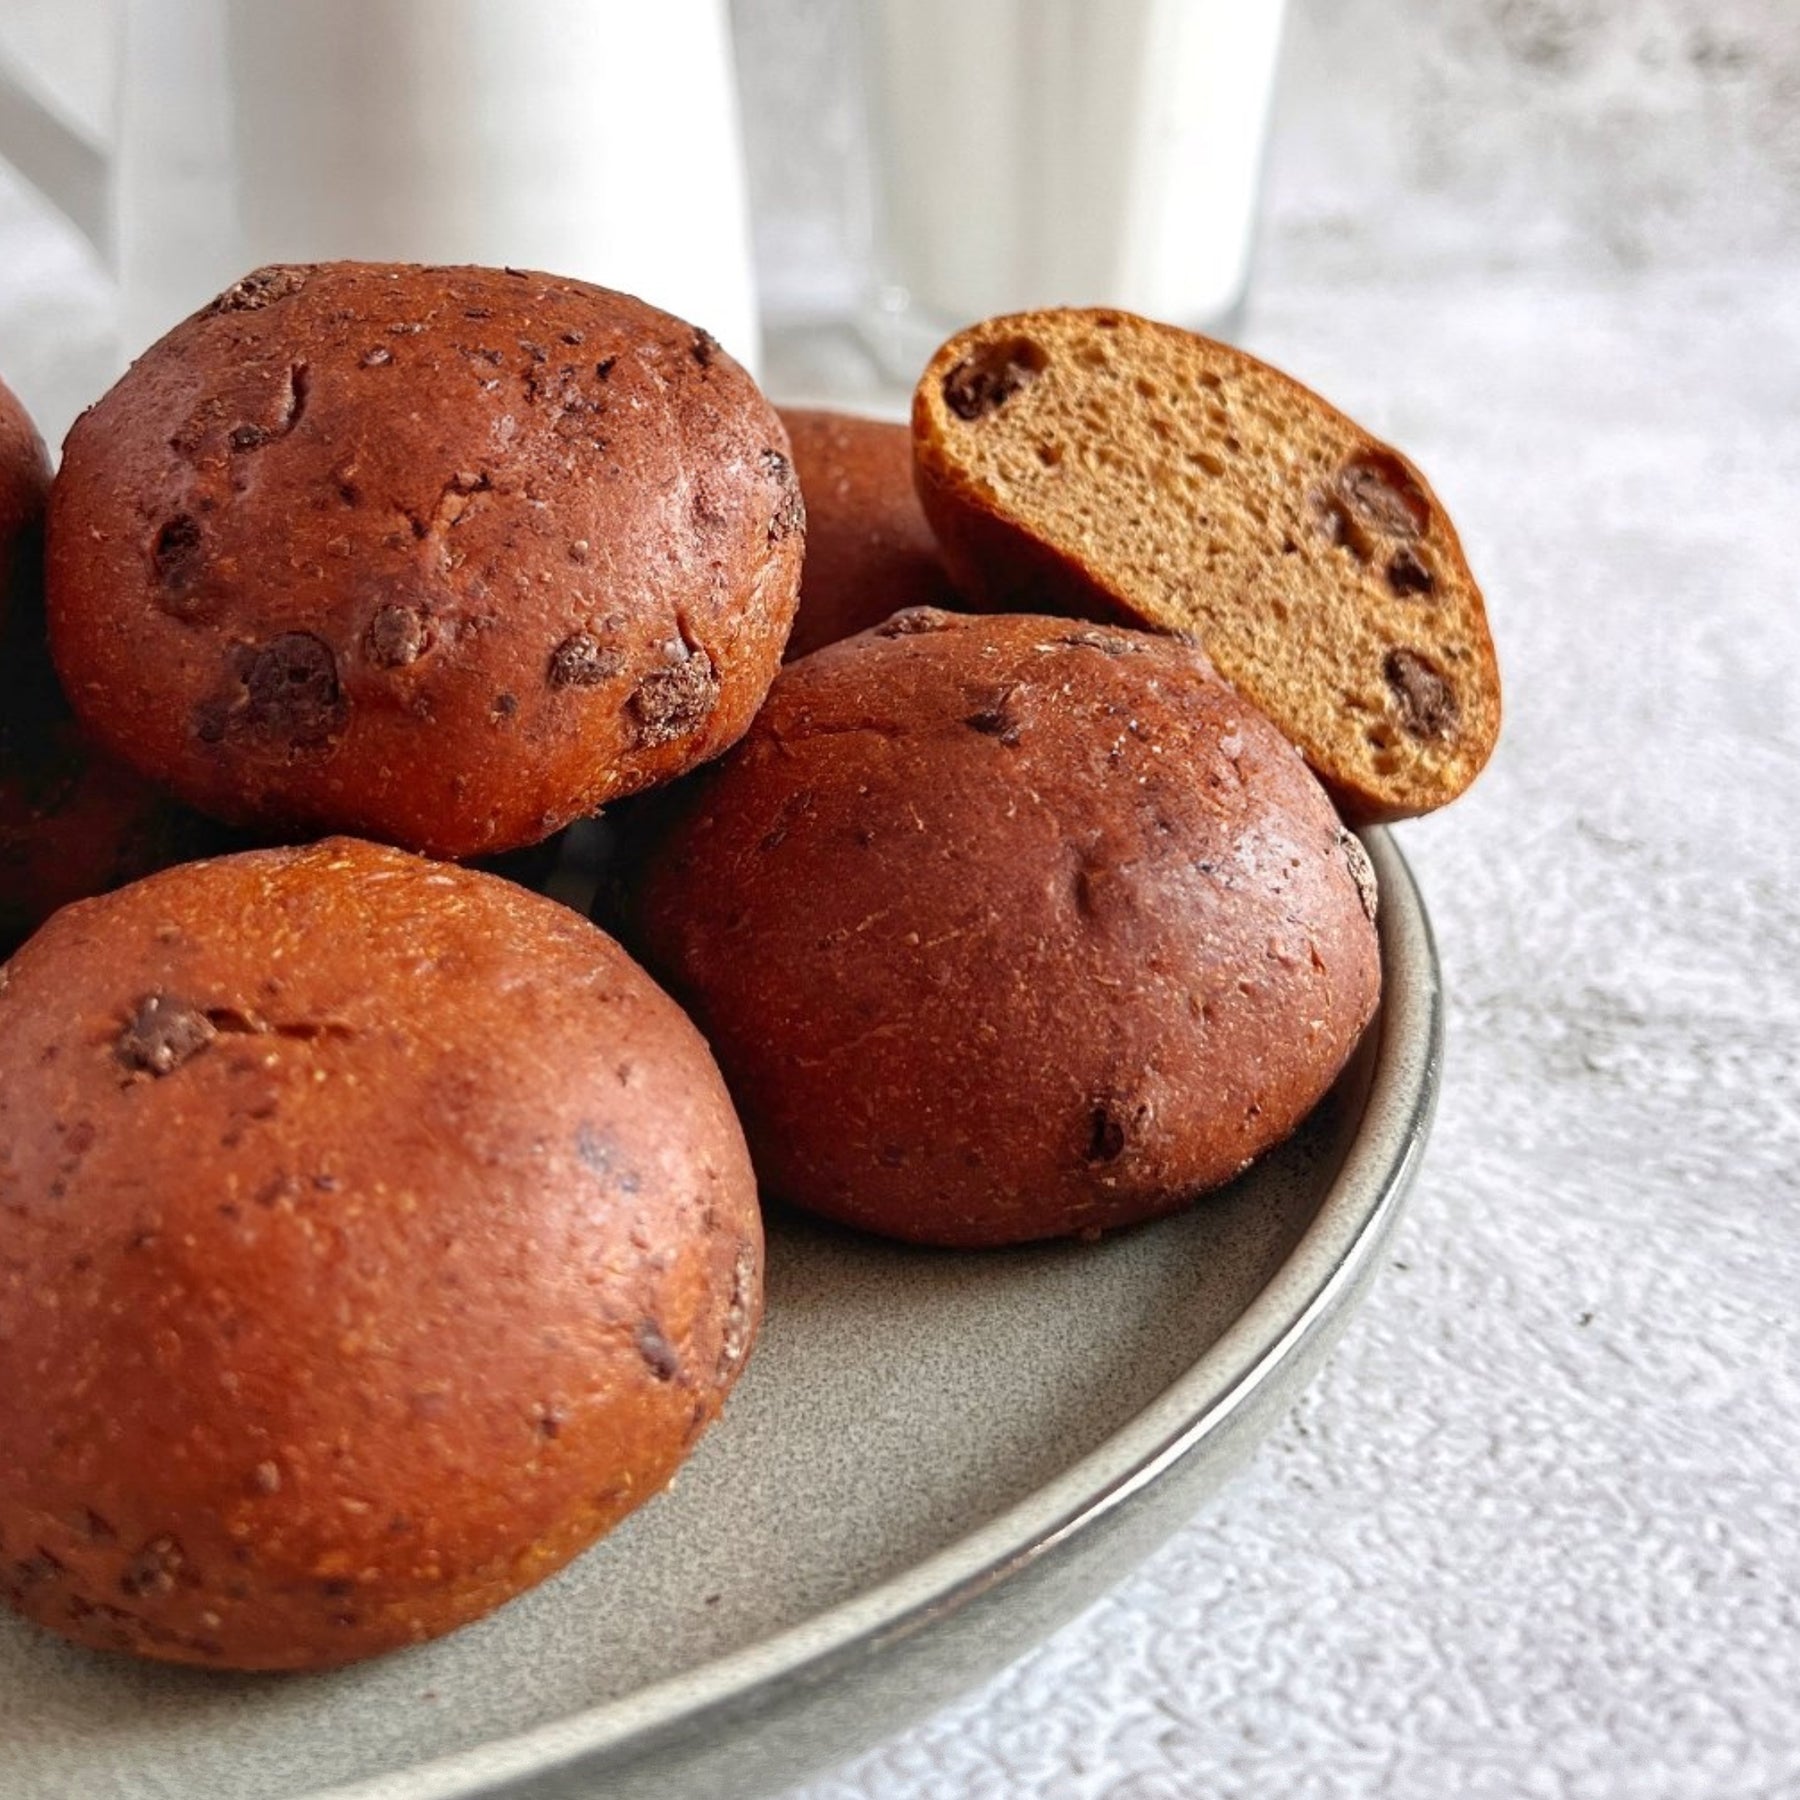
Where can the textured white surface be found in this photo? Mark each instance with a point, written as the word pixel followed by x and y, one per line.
pixel 1536 1531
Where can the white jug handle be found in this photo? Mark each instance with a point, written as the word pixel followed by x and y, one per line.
pixel 61 162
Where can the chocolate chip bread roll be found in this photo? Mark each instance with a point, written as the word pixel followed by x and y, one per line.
pixel 74 821
pixel 445 556
pixel 869 551
pixel 1007 928
pixel 376 1236
pixel 1092 462
pixel 24 486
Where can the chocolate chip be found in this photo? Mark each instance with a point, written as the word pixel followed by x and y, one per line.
pixel 578 661
pixel 1425 700
pixel 292 694
pixel 704 348
pixel 914 621
pixel 397 635
pixel 1362 871
pixel 593 1149
pixel 790 512
pixel 1339 525
pixel 162 1034
pixel 505 705
pixel 670 703
pixel 983 383
pixel 260 288
pixel 599 1151
pixel 1106 1135
pixel 1409 573
pixel 656 1350
pixel 248 437
pixel 176 553
pixel 604 367
pixel 997 719
pixel 1378 486
pixel 41 1566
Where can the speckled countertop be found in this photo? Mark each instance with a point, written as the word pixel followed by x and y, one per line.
pixel 1536 1530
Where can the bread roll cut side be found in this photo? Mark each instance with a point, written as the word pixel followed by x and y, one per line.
pixel 1099 464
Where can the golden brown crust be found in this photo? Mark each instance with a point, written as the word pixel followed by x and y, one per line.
pixel 1009 927
pixel 24 487
pixel 73 821
pixel 1099 464
pixel 376 1235
pixel 447 556
pixel 869 552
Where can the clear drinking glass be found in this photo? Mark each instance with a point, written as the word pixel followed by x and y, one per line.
pixel 1061 152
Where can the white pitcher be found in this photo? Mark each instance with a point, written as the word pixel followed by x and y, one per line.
pixel 592 138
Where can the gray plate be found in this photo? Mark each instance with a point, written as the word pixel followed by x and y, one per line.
pixel 932 1461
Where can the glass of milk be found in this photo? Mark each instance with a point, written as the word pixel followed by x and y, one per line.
pixel 1062 152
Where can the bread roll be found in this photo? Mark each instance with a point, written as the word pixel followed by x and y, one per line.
pixel 1102 465
pixel 869 552
pixel 376 1235
pixel 24 485
pixel 1011 928
pixel 444 556
pixel 73 820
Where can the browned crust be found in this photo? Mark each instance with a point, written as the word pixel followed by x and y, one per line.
pixel 869 551
pixel 1006 928
pixel 1009 544
pixel 73 821
pixel 376 1236
pixel 447 556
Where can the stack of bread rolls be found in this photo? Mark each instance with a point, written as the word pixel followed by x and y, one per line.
pixel 374 1232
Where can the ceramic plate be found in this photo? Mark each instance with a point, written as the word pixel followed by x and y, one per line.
pixel 933 1460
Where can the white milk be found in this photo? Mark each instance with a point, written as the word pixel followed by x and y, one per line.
pixel 1068 152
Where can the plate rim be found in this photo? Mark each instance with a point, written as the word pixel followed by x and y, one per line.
pixel 1330 1258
